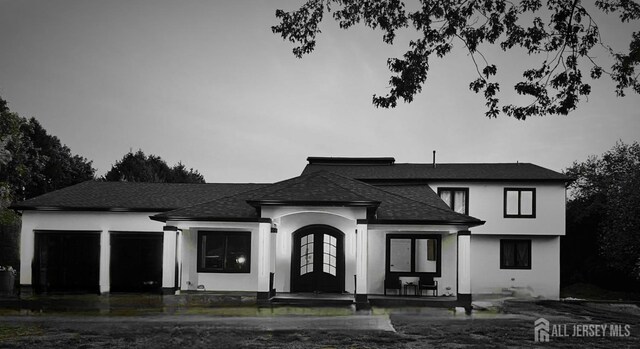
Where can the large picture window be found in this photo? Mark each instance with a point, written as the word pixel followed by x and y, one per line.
pixel 413 254
pixel 519 202
pixel 456 198
pixel 224 252
pixel 515 254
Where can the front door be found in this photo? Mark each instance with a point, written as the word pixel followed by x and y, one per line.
pixel 318 260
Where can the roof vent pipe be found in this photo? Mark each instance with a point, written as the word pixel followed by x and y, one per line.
pixel 434 159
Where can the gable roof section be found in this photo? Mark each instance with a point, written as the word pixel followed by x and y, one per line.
pixel 322 188
pixel 392 172
pixel 131 196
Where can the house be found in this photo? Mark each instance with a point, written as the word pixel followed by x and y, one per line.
pixel 345 225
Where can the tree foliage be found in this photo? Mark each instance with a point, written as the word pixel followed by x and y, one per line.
pixel 604 198
pixel 562 32
pixel 33 162
pixel 138 167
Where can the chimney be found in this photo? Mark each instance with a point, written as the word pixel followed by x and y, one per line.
pixel 434 159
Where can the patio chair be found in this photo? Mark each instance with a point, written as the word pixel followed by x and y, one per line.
pixel 427 283
pixel 392 283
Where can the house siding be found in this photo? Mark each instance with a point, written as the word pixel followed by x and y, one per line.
pixel 486 201
pixel 542 280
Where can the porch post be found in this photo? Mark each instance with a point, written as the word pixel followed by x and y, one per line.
pixel 362 288
pixel 169 260
pixel 264 260
pixel 464 269
pixel 105 262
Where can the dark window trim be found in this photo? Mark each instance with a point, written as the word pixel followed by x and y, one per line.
pixel 200 269
pixel 453 189
pixel 519 215
pixel 512 241
pixel 413 238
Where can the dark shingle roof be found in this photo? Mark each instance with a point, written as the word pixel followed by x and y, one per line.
pixel 322 188
pixel 132 196
pixel 458 171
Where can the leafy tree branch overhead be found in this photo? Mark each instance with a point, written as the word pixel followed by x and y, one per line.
pixel 563 33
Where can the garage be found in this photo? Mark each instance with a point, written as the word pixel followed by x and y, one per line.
pixel 136 262
pixel 66 262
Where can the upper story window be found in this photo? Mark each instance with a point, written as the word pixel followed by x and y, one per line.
pixel 224 252
pixel 519 203
pixel 456 198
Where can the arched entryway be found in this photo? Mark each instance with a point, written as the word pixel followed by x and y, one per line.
pixel 317 261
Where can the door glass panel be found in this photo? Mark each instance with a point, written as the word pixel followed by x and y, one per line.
pixel 306 254
pixel 400 256
pixel 329 254
pixel 426 255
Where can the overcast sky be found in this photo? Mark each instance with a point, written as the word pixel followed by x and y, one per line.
pixel 208 84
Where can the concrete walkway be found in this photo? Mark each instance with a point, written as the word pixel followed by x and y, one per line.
pixel 348 322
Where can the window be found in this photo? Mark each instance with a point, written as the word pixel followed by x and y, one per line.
pixel 519 203
pixel 224 252
pixel 456 198
pixel 411 254
pixel 515 254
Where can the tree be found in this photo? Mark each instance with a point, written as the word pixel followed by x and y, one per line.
pixel 137 167
pixel 32 163
pixel 564 33
pixel 604 212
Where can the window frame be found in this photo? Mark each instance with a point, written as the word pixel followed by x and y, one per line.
pixel 519 191
pixel 453 200
pixel 515 241
pixel 413 238
pixel 201 269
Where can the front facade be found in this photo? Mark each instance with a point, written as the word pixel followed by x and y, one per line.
pixel 360 226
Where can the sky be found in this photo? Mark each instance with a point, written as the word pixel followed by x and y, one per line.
pixel 207 83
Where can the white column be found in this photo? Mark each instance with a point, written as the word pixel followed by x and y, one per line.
pixel 464 263
pixel 169 259
pixel 27 248
pixel 105 261
pixel 264 256
pixel 362 238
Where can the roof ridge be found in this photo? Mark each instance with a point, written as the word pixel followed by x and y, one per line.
pixel 322 172
pixel 396 194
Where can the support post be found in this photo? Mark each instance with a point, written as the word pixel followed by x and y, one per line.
pixel 105 262
pixel 361 281
pixel 169 260
pixel 264 261
pixel 464 269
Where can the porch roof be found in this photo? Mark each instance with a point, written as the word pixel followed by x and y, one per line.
pixel 323 188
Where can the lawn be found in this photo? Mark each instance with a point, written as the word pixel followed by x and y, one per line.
pixel 510 325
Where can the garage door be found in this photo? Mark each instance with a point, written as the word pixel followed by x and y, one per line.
pixel 66 262
pixel 136 262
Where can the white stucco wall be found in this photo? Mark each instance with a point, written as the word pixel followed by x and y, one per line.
pixel 290 219
pixel 74 220
pixel 190 278
pixel 486 202
pixel 542 280
pixel 377 255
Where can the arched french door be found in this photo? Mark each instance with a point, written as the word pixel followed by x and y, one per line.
pixel 317 261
